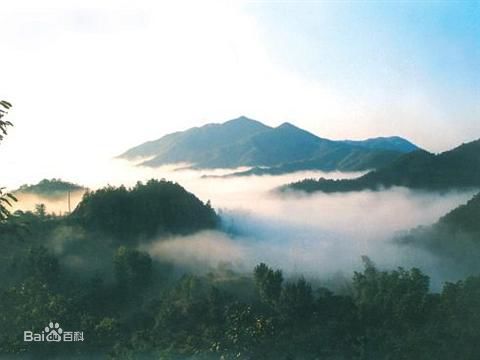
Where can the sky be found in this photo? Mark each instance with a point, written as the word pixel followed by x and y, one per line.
pixel 90 79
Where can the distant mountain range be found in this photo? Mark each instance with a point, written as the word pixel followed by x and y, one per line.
pixel 457 168
pixel 286 148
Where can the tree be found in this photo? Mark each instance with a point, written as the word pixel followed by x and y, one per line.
pixel 40 210
pixel 5 201
pixel 133 269
pixel 297 299
pixel 4 107
pixel 393 307
pixel 40 264
pixel 268 283
pixel 5 198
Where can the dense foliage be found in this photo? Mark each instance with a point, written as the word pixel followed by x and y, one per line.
pixel 81 271
pixel 457 168
pixel 146 210
pixel 148 311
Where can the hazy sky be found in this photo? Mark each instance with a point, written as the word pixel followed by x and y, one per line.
pixel 89 79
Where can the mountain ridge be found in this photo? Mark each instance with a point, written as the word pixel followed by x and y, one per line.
pixel 246 142
pixel 455 168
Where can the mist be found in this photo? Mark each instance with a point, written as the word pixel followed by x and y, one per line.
pixel 315 235
pixel 54 204
pixel 304 234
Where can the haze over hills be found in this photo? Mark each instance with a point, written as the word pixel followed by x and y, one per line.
pixel 455 237
pixel 342 158
pixel 247 142
pixel 49 188
pixel 457 168
pixel 394 143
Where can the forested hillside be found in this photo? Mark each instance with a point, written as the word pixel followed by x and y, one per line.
pixel 49 188
pixel 455 238
pixel 146 210
pixel 148 312
pixel 88 276
pixel 455 169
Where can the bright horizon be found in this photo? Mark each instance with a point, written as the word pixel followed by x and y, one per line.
pixel 90 79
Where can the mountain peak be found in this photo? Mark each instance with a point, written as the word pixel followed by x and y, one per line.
pixel 241 119
pixel 244 121
pixel 287 125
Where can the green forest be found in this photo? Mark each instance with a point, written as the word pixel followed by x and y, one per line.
pixel 132 306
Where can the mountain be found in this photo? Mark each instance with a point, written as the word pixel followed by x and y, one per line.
pixel 197 145
pixel 247 142
pixel 49 188
pixel 457 168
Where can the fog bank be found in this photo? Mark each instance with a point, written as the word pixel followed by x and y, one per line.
pixel 310 234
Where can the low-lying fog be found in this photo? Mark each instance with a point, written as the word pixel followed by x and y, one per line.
pixel 55 204
pixel 302 234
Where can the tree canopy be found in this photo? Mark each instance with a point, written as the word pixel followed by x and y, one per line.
pixel 143 211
